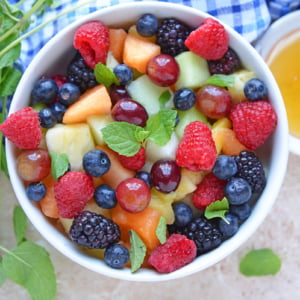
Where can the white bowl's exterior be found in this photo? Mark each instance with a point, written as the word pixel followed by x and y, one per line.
pixel 278 30
pixel 52 58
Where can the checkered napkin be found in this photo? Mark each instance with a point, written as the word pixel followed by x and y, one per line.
pixel 249 18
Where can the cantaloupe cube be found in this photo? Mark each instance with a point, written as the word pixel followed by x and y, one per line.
pixel 95 101
pixel 116 42
pixel 138 52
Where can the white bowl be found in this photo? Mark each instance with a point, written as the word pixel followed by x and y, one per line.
pixel 274 153
pixel 281 32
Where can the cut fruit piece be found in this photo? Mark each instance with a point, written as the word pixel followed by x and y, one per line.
pixel 222 123
pixel 74 140
pixel 186 117
pixel 117 172
pixel 94 207
pixel 194 70
pixel 96 123
pixel 95 101
pixel 164 206
pixel 111 61
pixel 117 38
pixel 48 203
pixel 144 91
pixel 132 30
pixel 143 223
pixel 138 52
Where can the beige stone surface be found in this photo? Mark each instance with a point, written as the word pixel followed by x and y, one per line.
pixel 280 231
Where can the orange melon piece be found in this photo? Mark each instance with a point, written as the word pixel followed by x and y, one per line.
pixel 138 52
pixel 143 223
pixel 116 42
pixel 48 203
pixel 95 101
pixel 117 172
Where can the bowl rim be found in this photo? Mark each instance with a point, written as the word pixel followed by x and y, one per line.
pixel 66 247
pixel 281 28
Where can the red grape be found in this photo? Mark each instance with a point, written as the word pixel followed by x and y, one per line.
pixel 117 92
pixel 33 165
pixel 163 70
pixel 133 195
pixel 213 101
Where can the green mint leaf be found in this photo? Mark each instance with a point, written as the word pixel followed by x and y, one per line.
pixel 3 167
pixel 104 75
pixel 59 164
pixel 260 262
pixel 221 80
pixel 161 126
pixel 9 81
pixel 12 55
pixel 141 134
pixel 217 209
pixel 164 98
pixel 2 274
pixel 121 137
pixel 161 230
pixel 29 265
pixel 137 251
pixel 20 223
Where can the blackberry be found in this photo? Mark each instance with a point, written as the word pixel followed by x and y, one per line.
pixel 171 36
pixel 92 230
pixel 229 63
pixel 80 74
pixel 251 169
pixel 203 232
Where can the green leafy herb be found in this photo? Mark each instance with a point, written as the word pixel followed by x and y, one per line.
pixel 10 79
pixel 217 209
pixel 137 251
pixel 59 164
pixel 104 75
pixel 2 274
pixel 260 262
pixel 221 80
pixel 161 230
pixel 164 98
pixel 20 224
pixel 126 138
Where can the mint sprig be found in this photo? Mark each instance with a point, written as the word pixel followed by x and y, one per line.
pixel 221 80
pixel 217 209
pixel 126 138
pixel 59 164
pixel 137 251
pixel 104 75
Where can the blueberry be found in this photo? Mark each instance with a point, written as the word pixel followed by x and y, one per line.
pixel 58 110
pixel 96 163
pixel 255 89
pixel 230 228
pixel 183 214
pixel 225 167
pixel 47 117
pixel 105 196
pixel 123 73
pixel 36 191
pixel 68 93
pixel 145 176
pixel 147 25
pixel 238 191
pixel 116 256
pixel 242 211
pixel 44 91
pixel 184 98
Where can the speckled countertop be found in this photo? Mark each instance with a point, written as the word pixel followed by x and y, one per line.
pixel 280 231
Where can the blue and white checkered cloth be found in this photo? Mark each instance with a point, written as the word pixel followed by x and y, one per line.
pixel 249 18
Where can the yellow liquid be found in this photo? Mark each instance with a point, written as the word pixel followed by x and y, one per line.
pixel 284 62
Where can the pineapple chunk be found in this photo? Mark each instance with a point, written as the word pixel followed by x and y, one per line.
pixel 96 123
pixel 164 206
pixel 73 139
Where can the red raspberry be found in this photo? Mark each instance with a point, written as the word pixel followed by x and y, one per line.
pixel 174 254
pixel 253 122
pixel 210 40
pixel 92 41
pixel 135 162
pixel 23 128
pixel 208 190
pixel 72 191
pixel 59 80
pixel 196 151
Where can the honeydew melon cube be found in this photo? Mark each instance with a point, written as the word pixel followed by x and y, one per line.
pixel 96 123
pixel 73 139
pixel 194 70
pixel 147 93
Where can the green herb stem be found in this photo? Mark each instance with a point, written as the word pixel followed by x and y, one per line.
pixel 29 33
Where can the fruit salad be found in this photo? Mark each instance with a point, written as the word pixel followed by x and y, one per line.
pixel 144 150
